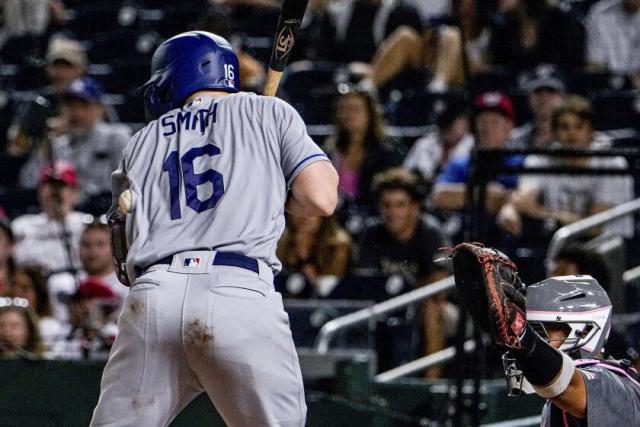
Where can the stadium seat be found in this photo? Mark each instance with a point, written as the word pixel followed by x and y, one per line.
pixel 316 107
pixel 303 76
pixel 502 80
pixel 90 19
pixel 586 83
pixel 616 109
pixel 417 108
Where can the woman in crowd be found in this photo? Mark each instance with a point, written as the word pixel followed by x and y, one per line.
pixel 30 283
pixel 437 50
pixel 318 248
pixel 19 335
pixel 357 147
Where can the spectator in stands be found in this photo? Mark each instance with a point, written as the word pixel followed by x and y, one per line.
pixel 319 249
pixel 450 139
pixel 613 38
pixel 90 333
pixel 92 146
pixel 357 146
pixel 7 263
pixel 30 283
pixel 97 260
pixel 50 238
pixel 436 50
pixel 358 27
pixel 24 26
pixel 405 244
pixel 525 33
pixel 19 336
pixel 559 200
pixel 66 61
pixel 547 91
pixel 493 118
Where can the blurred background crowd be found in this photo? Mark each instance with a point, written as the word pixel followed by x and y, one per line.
pixel 397 92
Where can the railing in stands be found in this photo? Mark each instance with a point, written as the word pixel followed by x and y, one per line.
pixel 329 329
pixel 562 236
pixel 449 353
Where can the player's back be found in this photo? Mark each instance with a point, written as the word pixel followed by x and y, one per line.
pixel 214 174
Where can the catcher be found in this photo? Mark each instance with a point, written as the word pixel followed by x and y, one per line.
pixel 553 338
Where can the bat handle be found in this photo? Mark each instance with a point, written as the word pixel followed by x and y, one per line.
pixel 272 82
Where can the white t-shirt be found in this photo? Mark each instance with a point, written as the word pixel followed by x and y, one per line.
pixel 579 193
pixel 613 37
pixel 39 240
pixel 426 154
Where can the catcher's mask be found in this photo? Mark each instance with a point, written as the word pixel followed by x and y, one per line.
pixel 187 63
pixel 577 304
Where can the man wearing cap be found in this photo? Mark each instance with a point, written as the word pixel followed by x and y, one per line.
pixel 66 62
pixel 90 332
pixel 97 259
pixel 92 146
pixel 450 139
pixel 50 238
pixel 494 118
pixel 547 91
pixel 553 201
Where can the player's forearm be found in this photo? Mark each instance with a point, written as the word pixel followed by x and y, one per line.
pixel 574 399
pixel 552 373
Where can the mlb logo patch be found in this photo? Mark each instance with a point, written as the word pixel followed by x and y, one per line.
pixel 191 262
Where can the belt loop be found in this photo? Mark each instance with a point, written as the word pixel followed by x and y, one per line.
pixel 265 273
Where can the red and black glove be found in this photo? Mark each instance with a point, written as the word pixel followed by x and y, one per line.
pixel 490 289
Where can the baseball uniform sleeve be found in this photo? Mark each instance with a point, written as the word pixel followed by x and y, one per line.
pixel 610 397
pixel 297 149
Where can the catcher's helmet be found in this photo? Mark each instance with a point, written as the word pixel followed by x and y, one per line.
pixel 186 63
pixel 577 303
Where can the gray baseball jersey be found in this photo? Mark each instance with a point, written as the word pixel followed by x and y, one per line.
pixel 207 180
pixel 200 181
pixel 613 398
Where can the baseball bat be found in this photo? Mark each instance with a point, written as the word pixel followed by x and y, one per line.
pixel 288 26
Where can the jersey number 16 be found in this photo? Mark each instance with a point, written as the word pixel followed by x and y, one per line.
pixel 192 180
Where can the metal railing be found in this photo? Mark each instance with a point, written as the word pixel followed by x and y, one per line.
pixel 577 228
pixel 331 328
pixel 433 359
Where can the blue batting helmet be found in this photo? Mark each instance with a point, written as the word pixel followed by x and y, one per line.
pixel 187 63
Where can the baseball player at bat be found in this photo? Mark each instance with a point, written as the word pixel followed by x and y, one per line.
pixel 553 333
pixel 198 207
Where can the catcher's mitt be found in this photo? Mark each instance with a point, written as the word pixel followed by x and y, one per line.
pixel 489 287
